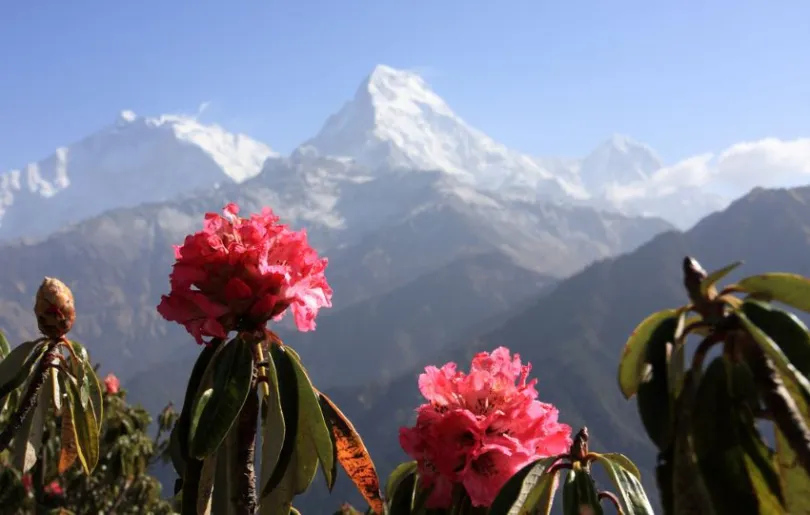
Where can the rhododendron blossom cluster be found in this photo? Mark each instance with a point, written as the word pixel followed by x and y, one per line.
pixel 111 384
pixel 479 429
pixel 237 274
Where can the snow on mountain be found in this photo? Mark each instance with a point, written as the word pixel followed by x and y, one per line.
pixel 620 160
pixel 396 120
pixel 134 160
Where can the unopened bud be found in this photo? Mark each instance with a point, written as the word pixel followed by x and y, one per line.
pixel 54 308
pixel 167 417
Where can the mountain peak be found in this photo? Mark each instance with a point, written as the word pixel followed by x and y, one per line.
pixel 391 92
pixel 618 161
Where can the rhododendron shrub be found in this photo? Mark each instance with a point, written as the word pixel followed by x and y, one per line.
pixel 708 413
pixel 119 483
pixel 483 443
pixel 228 282
pixel 49 379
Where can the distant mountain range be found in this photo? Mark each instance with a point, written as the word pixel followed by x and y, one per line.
pixel 394 122
pixel 573 334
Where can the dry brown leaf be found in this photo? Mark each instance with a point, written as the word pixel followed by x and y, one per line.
pixel 70 451
pixel 352 454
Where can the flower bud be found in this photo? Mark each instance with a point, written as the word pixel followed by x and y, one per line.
pixel 54 308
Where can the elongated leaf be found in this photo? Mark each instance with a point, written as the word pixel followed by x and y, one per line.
pixel 790 289
pixel 179 441
pixel 580 495
pixel 69 450
pixel 225 493
pixel 5 347
pixel 279 498
pixel 653 391
pixel 206 485
pixel 28 440
pixel 288 399
pixel 632 360
pixel 714 277
pixel 94 391
pixel 233 374
pixel 352 454
pixel 796 383
pixel 273 427
pixel 15 368
pixel 403 496
pixel 205 396
pixel 794 479
pixel 627 482
pixel 740 477
pixel 313 425
pixel 85 428
pixel 397 476
pixel 514 493
pixel 785 329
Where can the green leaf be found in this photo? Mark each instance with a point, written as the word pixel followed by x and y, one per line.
pixel 311 424
pixel 205 396
pixel 5 347
pixel 94 391
pixel 28 440
pixel 85 428
pixel 796 383
pixel 632 360
pixel 794 479
pixel 580 495
pixel 224 499
pixel 686 487
pixel 397 476
pixel 737 470
pixel 288 400
pixel 625 476
pixel 785 329
pixel 352 453
pixel 273 426
pixel 232 377
pixel 790 289
pixel 715 276
pixel 205 486
pixel 653 391
pixel 179 439
pixel 15 368
pixel 403 496
pixel 513 495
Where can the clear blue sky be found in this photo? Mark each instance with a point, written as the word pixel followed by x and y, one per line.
pixel 543 77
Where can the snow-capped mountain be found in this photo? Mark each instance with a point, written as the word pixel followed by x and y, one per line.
pixel 620 160
pixel 396 120
pixel 133 160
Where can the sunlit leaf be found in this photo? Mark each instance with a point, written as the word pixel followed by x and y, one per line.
pixel 632 360
pixel 232 377
pixel 794 478
pixel 17 365
pixel 312 425
pixel 206 485
pixel 790 289
pixel 352 454
pixel 205 396
pixel 5 347
pixel 69 450
pixel 512 497
pixel 28 440
pixel 85 428
pixel 94 391
pixel 737 469
pixel 627 480
pixel 716 276
pixel 225 495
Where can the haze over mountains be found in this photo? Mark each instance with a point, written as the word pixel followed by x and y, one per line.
pixel 441 242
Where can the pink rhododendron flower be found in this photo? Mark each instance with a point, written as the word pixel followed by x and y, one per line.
pixel 239 273
pixel 27 482
pixel 54 488
pixel 112 384
pixel 477 429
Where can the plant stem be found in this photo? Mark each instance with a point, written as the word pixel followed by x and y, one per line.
pixel 246 502
pixel 29 400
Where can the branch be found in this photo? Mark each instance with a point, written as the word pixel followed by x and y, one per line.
pixel 246 502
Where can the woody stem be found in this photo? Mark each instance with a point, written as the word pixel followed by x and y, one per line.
pixel 245 453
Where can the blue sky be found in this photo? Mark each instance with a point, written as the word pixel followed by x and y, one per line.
pixel 548 78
